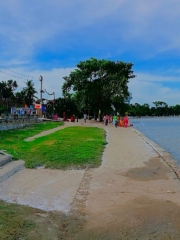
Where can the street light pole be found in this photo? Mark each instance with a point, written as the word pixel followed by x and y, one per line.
pixel 41 79
pixel 53 102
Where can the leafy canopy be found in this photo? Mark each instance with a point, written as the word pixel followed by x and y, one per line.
pixel 97 81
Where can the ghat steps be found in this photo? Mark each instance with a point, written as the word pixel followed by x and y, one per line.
pixel 9 167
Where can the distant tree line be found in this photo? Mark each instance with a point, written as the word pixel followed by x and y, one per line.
pixel 159 109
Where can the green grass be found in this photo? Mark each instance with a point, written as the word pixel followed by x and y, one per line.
pixel 13 221
pixel 76 147
pixel 28 131
pixel 19 222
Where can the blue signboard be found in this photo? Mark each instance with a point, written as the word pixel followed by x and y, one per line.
pixel 43 108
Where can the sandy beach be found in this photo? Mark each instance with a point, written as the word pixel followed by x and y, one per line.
pixel 134 194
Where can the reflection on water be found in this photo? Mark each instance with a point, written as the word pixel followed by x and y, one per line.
pixel 164 131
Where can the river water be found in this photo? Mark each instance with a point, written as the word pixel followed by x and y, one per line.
pixel 164 131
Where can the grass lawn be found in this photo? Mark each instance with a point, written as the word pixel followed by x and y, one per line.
pixel 76 147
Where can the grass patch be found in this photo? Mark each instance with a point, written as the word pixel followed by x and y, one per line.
pixel 13 221
pixel 6 137
pixel 76 147
pixel 19 222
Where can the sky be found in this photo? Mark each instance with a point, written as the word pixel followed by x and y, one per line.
pixel 49 38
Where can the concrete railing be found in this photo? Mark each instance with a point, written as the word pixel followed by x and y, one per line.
pixel 16 121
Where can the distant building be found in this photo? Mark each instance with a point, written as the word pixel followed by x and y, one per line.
pixel 127 100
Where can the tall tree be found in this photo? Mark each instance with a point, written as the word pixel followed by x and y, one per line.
pixel 96 81
pixel 29 92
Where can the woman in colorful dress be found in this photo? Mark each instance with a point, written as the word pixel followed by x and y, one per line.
pixel 125 121
pixel 121 122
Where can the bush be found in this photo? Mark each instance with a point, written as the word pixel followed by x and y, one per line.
pixel 2 109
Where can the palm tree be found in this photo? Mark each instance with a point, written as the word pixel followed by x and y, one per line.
pixel 30 92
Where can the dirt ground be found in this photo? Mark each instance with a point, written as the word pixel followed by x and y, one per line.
pixel 134 195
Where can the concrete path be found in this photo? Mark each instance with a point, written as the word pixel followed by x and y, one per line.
pixel 44 133
pixel 66 124
pixel 42 188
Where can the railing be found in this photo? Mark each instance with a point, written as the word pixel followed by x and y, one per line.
pixel 13 118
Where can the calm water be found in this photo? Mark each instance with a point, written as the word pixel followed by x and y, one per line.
pixel 164 131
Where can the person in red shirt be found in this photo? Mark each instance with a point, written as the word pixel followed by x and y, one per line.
pixel 72 118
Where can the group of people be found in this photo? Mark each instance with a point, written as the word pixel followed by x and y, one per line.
pixel 73 118
pixel 116 120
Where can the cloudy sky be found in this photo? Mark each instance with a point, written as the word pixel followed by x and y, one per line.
pixel 49 38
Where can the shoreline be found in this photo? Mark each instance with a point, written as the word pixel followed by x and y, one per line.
pixel 166 156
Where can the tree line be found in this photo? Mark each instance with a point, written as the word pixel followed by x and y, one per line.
pixel 160 108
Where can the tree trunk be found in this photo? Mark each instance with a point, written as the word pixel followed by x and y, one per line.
pixel 100 114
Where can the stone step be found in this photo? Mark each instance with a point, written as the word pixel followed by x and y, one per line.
pixel 10 168
pixel 5 159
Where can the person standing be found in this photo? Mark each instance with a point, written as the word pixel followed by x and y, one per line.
pixel 77 118
pixel 64 116
pixel 115 119
pixel 85 117
pixel 126 122
pixel 121 122
pixel 72 118
pixel 55 117
pixel 106 120
pixel 29 113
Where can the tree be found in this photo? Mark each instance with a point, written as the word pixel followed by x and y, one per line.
pixel 161 108
pixel 19 98
pixel 97 81
pixel 29 92
pixel 66 104
pixel 7 88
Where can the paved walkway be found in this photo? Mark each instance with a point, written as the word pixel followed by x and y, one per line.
pixel 66 124
pixel 44 133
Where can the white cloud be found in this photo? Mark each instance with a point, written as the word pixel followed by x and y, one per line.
pixel 149 91
pixel 29 25
pixel 156 78
pixel 25 26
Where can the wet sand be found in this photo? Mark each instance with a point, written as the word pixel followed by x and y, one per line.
pixel 134 194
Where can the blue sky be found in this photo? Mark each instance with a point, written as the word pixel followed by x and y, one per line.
pixel 50 37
